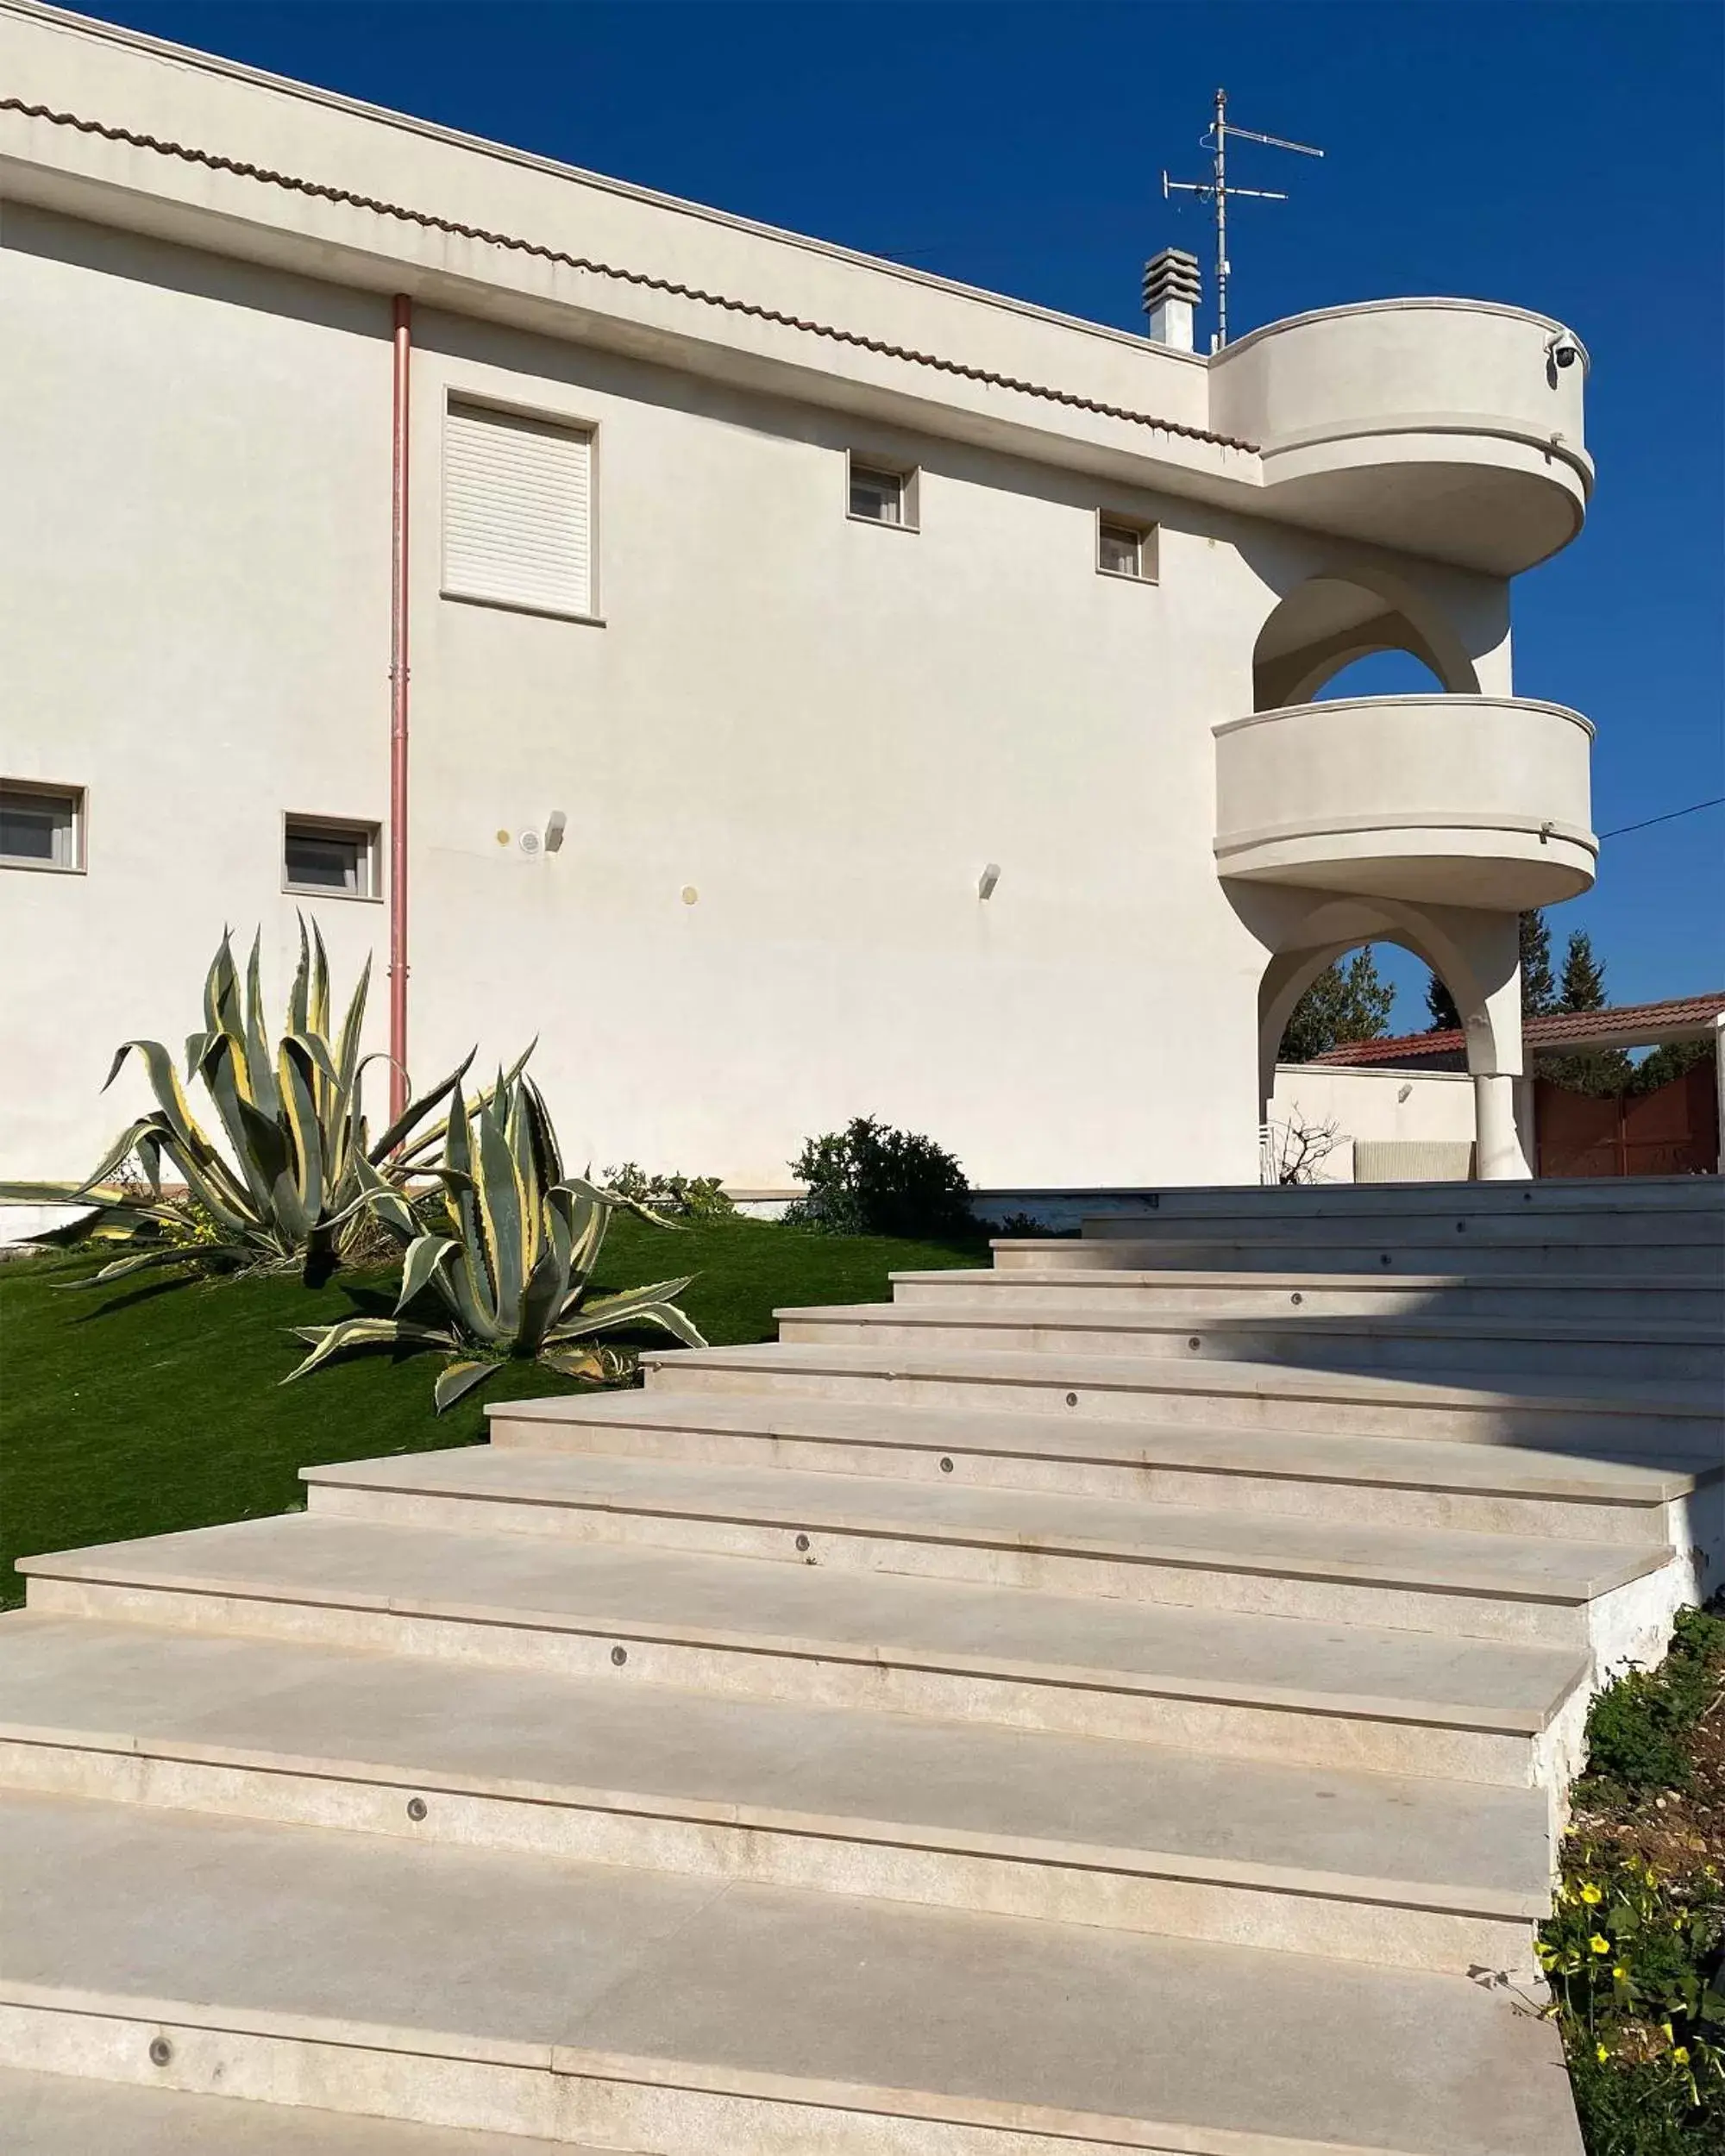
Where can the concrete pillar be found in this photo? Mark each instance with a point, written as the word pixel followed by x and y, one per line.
pixel 1719 1083
pixel 1498 1142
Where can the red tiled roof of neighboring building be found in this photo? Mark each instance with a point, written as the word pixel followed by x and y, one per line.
pixel 1624 1026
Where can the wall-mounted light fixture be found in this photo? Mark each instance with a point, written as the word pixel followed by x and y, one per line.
pixel 989 877
pixel 556 824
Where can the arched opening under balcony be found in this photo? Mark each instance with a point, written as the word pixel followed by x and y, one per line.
pixel 1474 953
pixel 1331 622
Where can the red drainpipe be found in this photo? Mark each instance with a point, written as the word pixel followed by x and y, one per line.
pixel 398 710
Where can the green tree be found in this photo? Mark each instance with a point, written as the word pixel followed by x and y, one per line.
pixel 1539 987
pixel 1602 1071
pixel 1345 1003
pixel 1667 1062
pixel 1442 1004
pixel 1582 985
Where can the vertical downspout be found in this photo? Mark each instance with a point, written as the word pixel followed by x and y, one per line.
pixel 398 710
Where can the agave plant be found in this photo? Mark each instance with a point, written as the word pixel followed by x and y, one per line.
pixel 294 1185
pixel 512 1262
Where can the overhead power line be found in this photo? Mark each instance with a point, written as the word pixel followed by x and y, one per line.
pixel 1670 817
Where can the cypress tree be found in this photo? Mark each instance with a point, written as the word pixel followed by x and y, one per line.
pixel 1582 986
pixel 1539 987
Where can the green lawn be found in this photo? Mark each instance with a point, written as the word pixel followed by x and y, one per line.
pixel 143 1409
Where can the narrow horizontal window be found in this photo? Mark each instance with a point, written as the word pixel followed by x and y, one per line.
pixel 333 860
pixel 517 511
pixel 880 495
pixel 1125 550
pixel 40 826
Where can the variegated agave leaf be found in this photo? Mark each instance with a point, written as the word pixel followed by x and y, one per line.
pixel 285 1181
pixel 511 1259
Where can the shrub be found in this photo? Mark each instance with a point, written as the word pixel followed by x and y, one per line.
pixel 1632 1962
pixel 513 1264
pixel 687 1197
pixel 1635 1726
pixel 868 1179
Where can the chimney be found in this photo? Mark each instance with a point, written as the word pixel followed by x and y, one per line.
pixel 1171 290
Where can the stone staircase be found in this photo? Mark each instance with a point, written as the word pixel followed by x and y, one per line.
pixel 1121 1699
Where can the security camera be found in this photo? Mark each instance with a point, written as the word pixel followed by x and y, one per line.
pixel 1561 351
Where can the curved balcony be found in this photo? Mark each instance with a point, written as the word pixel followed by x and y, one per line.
pixel 1455 800
pixel 1447 428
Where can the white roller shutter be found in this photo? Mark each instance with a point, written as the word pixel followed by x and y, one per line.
pixel 517 510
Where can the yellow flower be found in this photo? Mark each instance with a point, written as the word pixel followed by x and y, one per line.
pixel 1600 1945
pixel 1680 2053
pixel 1591 1894
pixel 1621 1973
pixel 1601 2054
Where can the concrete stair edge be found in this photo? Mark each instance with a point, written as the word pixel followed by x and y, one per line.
pixel 818 1988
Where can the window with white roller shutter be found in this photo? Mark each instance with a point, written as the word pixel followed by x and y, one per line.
pixel 517 510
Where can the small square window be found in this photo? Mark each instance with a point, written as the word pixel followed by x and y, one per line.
pixel 336 861
pixel 880 495
pixel 1125 550
pixel 40 826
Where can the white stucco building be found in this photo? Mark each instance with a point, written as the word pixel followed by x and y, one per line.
pixel 829 689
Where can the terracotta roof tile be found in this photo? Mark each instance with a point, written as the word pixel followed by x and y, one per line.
pixel 1624 1026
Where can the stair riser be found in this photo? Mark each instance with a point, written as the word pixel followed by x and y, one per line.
pixel 1427 1222
pixel 1615 1310
pixel 1516 1261
pixel 559 2095
pixel 1555 1197
pixel 1379 1504
pixel 1065 1703
pixel 1196 1585
pixel 1187 1403
pixel 1448 1362
pixel 1118 1891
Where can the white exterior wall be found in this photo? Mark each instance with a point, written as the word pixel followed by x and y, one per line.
pixel 194 603
pixel 822 728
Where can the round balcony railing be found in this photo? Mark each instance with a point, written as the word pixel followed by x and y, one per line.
pixel 1456 800
pixel 1448 428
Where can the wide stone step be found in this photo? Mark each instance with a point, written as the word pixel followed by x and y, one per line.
pixel 1188 1246
pixel 1616 1299
pixel 1407 1481
pixel 589 2003
pixel 60 2114
pixel 1654 1419
pixel 1596 1197
pixel 1365 1697
pixel 1555 1196
pixel 1460 1231
pixel 1527 1589
pixel 1414 1873
pixel 1416 1344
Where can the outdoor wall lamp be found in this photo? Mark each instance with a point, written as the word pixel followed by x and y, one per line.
pixel 989 877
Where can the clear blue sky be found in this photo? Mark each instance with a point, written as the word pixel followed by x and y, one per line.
pixel 1567 157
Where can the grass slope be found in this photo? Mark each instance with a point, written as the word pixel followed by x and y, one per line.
pixel 143 1409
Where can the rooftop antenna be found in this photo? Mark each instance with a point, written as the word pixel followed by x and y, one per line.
pixel 1217 190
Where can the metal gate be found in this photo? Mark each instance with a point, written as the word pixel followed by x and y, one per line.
pixel 1674 1131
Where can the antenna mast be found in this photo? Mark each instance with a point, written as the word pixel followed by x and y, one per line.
pixel 1217 190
